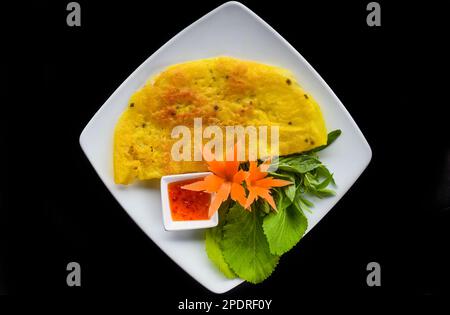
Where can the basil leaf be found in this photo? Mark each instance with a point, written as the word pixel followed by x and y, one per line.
pixel 332 136
pixel 325 182
pixel 301 164
pixel 324 172
pixel 322 193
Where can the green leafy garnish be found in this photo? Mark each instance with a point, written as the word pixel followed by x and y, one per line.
pixel 213 239
pixel 284 228
pixel 300 163
pixel 316 184
pixel 245 246
pixel 332 136
pixel 248 244
pixel 301 203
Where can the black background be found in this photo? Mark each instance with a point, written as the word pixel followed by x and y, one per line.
pixel 55 209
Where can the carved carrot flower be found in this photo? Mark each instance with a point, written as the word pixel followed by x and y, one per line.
pixel 226 180
pixel 259 185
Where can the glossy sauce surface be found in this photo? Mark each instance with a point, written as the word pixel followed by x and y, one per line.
pixel 187 205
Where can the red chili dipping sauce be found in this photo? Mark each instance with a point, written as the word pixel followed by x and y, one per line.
pixel 187 205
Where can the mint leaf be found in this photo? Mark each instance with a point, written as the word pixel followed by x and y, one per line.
pixel 284 229
pixel 213 239
pixel 245 246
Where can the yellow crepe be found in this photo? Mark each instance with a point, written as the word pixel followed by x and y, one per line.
pixel 222 91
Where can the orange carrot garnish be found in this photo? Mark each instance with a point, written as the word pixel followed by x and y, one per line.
pixel 226 180
pixel 259 185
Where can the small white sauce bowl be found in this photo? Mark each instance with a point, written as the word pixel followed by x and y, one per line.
pixel 169 223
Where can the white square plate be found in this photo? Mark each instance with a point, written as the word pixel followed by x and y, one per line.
pixel 233 30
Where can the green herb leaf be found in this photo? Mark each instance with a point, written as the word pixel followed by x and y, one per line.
pixel 302 163
pixel 313 185
pixel 289 190
pixel 325 182
pixel 249 244
pixel 280 175
pixel 332 136
pixel 324 172
pixel 284 229
pixel 213 239
pixel 263 205
pixel 245 246
pixel 281 200
pixel 322 193
pixel 302 204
